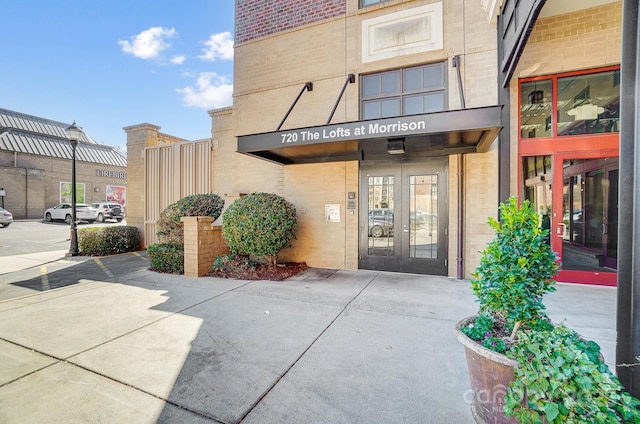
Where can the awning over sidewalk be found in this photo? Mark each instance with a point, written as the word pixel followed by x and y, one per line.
pixel 430 134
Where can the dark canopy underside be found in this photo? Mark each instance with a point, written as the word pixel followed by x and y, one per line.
pixel 432 134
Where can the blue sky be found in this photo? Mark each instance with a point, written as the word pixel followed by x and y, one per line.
pixel 108 64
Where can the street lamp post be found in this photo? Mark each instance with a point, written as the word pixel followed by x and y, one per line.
pixel 73 133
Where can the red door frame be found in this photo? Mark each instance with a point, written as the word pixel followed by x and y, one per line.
pixel 589 146
pixel 574 276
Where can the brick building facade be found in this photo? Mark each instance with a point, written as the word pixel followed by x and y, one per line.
pixel 379 121
pixel 35 166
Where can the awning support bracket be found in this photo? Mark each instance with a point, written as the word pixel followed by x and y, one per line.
pixel 455 62
pixel 308 86
pixel 351 78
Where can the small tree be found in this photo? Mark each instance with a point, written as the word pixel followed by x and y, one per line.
pixel 259 224
pixel 170 229
pixel 517 268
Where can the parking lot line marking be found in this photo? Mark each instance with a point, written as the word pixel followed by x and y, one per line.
pixel 45 278
pixel 104 268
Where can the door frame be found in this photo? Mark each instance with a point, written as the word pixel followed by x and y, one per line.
pixel 557 226
pixel 401 261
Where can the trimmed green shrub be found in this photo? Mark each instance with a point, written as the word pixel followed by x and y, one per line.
pixel 517 268
pixel 169 226
pixel 166 257
pixel 259 224
pixel 103 241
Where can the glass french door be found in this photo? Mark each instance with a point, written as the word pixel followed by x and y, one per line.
pixel 403 217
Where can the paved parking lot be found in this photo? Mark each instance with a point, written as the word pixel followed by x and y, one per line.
pixel 35 236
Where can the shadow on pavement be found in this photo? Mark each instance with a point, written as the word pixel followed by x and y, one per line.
pixel 99 268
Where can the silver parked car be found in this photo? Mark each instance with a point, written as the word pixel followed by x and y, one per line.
pixel 62 212
pixel 6 218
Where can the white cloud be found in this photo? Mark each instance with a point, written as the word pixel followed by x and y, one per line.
pixel 212 92
pixel 219 46
pixel 149 43
pixel 178 60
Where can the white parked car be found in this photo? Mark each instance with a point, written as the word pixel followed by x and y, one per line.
pixel 62 212
pixel 6 218
pixel 108 211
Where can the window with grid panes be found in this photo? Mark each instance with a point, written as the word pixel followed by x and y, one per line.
pixel 408 91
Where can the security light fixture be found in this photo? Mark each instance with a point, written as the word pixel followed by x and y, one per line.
pixel 395 146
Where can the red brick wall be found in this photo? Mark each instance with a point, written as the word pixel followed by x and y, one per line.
pixel 257 18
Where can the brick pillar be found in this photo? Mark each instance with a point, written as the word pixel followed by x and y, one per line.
pixel 202 243
pixel 138 137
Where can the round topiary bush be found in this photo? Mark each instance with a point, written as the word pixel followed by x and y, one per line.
pixel 259 224
pixel 170 229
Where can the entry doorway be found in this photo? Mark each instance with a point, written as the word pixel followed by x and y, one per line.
pixel 586 224
pixel 576 197
pixel 404 216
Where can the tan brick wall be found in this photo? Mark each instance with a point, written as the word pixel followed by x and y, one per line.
pixel 480 177
pixel 138 137
pixel 319 242
pixel 25 191
pixel 203 242
pixel 481 202
pixel 271 71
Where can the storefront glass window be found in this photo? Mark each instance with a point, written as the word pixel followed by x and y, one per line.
pixel 584 104
pixel 535 109
pixel 589 104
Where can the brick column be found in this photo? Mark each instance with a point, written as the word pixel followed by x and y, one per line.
pixel 202 243
pixel 138 137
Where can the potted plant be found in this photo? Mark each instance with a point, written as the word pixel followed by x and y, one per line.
pixel 522 367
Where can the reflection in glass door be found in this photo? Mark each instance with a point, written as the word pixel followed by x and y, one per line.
pixel 537 176
pixel 380 202
pixel 589 215
pixel 423 216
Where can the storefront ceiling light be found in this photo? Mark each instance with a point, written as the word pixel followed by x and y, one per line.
pixel 585 111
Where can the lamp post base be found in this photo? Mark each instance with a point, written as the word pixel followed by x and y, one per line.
pixel 73 237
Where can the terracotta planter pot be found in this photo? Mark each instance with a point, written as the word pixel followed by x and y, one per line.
pixel 490 374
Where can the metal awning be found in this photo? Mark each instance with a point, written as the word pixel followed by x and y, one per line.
pixel 430 134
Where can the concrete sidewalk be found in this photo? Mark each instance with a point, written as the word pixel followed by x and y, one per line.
pixel 110 342
pixel 19 262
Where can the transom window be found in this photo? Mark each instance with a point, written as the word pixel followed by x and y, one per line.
pixel 569 105
pixel 365 3
pixel 408 91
